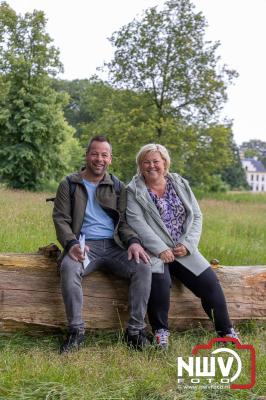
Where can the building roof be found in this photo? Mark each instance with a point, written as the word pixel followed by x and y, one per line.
pixel 259 167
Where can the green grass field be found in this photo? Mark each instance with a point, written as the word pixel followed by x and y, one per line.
pixel 30 368
pixel 234 230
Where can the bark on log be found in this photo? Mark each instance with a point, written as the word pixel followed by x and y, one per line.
pixel 30 296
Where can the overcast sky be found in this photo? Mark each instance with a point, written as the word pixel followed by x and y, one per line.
pixel 80 30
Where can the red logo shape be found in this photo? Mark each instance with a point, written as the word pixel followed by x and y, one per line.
pixel 238 346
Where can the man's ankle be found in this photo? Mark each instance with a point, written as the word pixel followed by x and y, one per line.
pixel 136 339
pixel 76 330
pixel 74 340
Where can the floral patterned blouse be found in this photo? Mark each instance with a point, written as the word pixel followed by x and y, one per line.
pixel 171 209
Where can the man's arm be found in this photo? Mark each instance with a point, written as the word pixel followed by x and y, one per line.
pixel 128 235
pixel 62 217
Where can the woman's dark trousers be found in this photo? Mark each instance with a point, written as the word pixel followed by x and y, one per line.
pixel 205 286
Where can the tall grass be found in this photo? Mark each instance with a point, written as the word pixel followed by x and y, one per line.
pixel 106 370
pixel 26 221
pixel 233 231
pixel 237 197
pixel 32 369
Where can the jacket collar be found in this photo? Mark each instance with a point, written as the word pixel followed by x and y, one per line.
pixel 139 188
pixel 138 185
pixel 77 178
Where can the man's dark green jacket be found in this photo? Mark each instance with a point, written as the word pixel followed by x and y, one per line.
pixel 69 210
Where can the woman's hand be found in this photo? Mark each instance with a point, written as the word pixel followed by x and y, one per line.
pixel 180 250
pixel 167 256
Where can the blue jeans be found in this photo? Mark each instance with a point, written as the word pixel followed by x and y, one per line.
pixel 106 255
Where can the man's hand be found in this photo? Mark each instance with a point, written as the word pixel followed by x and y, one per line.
pixel 76 253
pixel 180 250
pixel 167 256
pixel 136 252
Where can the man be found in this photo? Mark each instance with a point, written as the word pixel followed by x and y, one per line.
pixel 88 204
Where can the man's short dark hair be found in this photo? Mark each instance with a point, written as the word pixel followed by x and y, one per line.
pixel 98 138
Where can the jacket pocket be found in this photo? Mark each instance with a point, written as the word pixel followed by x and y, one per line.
pixel 157 265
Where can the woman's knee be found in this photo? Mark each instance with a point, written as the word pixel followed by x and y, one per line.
pixel 208 282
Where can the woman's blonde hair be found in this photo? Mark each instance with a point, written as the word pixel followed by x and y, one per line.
pixel 152 147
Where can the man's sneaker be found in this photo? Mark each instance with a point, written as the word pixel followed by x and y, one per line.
pixel 161 337
pixel 75 339
pixel 136 341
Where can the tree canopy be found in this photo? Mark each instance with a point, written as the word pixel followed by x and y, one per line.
pixel 129 121
pixel 165 55
pixel 166 85
pixel 254 148
pixel 234 174
pixel 34 135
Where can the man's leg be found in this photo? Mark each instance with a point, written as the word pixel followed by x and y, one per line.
pixel 71 273
pixel 139 274
pixel 71 278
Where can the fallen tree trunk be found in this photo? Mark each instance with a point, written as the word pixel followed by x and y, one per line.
pixel 30 296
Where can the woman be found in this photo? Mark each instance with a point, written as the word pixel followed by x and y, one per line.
pixel 164 212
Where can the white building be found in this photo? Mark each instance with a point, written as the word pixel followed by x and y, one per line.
pixel 255 173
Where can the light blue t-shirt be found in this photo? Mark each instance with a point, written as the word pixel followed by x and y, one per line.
pixel 97 224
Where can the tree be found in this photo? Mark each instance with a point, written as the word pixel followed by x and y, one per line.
pixel 164 55
pixel 96 108
pixel 76 111
pixel 234 174
pixel 254 148
pixel 123 116
pixel 36 143
pixel 205 154
pixel 128 119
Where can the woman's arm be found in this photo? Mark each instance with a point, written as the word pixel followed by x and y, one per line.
pixel 192 235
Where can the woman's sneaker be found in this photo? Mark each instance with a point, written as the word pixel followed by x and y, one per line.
pixel 161 337
pixel 232 334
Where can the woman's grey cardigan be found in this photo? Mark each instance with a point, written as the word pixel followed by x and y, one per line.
pixel 144 218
